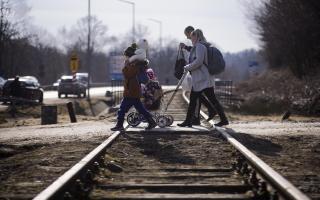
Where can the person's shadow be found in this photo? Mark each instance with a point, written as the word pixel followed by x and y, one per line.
pixel 255 143
pixel 161 147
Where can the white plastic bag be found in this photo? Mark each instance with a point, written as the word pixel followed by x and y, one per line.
pixel 187 83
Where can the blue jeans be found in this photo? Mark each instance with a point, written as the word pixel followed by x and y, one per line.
pixel 127 103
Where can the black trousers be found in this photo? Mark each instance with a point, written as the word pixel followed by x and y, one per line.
pixel 195 99
pixel 203 101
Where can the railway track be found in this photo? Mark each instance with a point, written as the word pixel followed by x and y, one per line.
pixel 171 163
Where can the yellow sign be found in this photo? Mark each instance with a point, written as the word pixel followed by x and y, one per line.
pixel 74 63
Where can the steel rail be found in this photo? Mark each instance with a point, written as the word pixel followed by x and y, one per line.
pixel 60 185
pixel 285 188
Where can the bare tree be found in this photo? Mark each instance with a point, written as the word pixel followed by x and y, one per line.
pixel 290 33
pixel 7 33
pixel 77 35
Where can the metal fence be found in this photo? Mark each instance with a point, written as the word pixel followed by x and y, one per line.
pixel 117 90
pixel 223 91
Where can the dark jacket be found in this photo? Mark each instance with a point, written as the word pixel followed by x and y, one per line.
pixel 131 83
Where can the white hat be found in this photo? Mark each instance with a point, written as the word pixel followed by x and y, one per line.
pixel 143 44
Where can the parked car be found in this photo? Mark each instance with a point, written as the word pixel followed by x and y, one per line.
pixel 31 79
pixel 24 89
pixel 68 85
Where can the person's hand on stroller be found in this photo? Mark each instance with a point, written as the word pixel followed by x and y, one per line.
pixel 185 69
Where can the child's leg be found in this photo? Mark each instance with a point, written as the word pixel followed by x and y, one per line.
pixel 141 109
pixel 125 105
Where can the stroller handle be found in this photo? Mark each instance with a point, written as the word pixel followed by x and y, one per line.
pixel 175 91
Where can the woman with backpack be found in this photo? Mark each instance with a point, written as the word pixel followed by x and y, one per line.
pixel 202 100
pixel 202 81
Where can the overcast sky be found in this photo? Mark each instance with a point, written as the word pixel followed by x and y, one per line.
pixel 222 21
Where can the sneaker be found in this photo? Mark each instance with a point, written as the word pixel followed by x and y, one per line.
pixel 117 128
pixel 222 123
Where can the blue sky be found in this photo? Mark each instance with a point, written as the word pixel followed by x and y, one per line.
pixel 222 21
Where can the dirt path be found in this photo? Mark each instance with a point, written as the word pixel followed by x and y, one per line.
pixel 51 134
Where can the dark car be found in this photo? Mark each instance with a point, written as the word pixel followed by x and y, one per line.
pixel 25 89
pixel 69 85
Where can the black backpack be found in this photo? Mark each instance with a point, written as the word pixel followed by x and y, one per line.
pixel 179 66
pixel 216 63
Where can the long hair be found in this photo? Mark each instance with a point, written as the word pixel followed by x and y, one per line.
pixel 199 34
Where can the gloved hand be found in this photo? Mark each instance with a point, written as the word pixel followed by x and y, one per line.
pixel 185 69
pixel 182 45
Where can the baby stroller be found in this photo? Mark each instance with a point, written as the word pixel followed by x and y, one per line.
pixel 152 93
pixel 163 120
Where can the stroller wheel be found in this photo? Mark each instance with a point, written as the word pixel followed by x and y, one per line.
pixel 169 120
pixel 156 115
pixel 162 121
pixel 133 119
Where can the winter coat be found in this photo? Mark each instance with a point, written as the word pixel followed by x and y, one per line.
pixel 201 79
pixel 131 83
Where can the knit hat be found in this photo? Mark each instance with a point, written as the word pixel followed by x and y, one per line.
pixel 130 50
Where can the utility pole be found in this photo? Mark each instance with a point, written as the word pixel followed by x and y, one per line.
pixel 133 18
pixel 89 48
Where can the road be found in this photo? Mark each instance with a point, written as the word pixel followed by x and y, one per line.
pixel 96 91
pixel 51 97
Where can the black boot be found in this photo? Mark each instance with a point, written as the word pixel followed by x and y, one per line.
pixel 223 119
pixel 151 123
pixel 211 110
pixel 222 115
pixel 119 126
pixel 222 123
pixel 185 123
pixel 196 121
